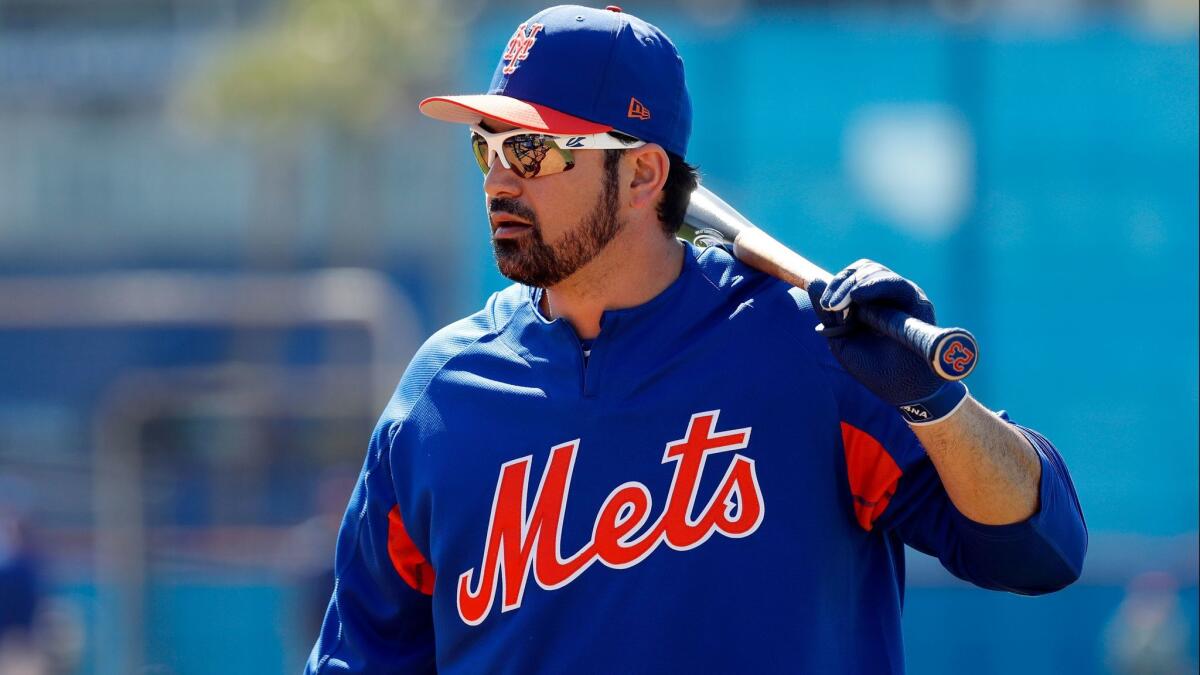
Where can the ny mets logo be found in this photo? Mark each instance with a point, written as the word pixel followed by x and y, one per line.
pixel 519 542
pixel 519 45
pixel 958 356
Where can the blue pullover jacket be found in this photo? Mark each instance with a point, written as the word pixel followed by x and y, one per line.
pixel 709 491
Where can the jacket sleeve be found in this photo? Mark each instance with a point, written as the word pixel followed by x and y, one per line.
pixel 380 617
pixel 1041 554
pixel 896 489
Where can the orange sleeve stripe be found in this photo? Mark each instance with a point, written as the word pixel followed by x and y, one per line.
pixel 873 474
pixel 408 561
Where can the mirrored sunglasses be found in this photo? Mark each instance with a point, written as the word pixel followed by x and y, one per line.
pixel 532 154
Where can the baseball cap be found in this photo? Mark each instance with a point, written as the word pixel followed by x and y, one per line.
pixel 577 70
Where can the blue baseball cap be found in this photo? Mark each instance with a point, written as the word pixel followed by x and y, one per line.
pixel 577 70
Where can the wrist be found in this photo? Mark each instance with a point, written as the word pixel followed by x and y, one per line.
pixel 937 406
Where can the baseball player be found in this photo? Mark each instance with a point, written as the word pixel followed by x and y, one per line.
pixel 642 456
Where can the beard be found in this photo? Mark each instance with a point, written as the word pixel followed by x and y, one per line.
pixel 529 260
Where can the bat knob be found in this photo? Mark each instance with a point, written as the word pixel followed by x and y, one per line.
pixel 955 354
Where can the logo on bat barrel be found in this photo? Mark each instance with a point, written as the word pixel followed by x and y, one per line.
pixel 957 356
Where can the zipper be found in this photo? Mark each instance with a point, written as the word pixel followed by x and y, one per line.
pixel 590 375
pixel 593 368
pixel 589 369
pixel 581 364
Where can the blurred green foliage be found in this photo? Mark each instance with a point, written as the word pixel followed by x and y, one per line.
pixel 346 64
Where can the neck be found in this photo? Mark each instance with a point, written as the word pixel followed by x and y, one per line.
pixel 635 267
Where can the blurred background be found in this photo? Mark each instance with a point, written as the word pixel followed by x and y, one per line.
pixel 224 229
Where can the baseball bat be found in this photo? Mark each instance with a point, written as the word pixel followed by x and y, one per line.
pixel 950 352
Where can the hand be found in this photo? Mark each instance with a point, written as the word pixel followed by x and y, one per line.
pixel 887 368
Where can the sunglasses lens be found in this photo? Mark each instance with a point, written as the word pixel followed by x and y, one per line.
pixel 528 155
pixel 536 155
pixel 479 148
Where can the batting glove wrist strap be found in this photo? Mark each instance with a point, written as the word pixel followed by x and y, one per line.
pixel 936 406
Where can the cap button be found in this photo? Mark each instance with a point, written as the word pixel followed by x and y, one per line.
pixel 613 8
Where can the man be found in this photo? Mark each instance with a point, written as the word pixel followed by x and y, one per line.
pixel 641 457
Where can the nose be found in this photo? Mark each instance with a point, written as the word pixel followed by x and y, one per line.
pixel 501 182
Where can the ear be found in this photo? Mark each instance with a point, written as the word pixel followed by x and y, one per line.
pixel 650 166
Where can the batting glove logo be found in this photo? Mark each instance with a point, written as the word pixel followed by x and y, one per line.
pixel 915 412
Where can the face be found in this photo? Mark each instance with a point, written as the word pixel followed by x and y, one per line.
pixel 544 229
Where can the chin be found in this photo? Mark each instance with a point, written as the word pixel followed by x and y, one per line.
pixel 513 268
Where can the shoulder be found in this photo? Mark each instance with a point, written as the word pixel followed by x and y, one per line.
pixel 450 343
pixel 784 307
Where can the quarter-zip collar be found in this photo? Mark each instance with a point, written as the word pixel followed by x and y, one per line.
pixel 630 339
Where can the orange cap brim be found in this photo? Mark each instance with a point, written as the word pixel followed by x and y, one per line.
pixel 470 109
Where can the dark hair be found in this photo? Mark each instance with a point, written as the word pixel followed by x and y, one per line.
pixel 682 179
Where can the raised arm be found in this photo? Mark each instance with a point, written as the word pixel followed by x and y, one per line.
pixel 992 500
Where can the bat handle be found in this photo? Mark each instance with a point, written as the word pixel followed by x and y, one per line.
pixel 951 352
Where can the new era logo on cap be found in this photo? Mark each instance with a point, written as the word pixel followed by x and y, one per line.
pixel 637 111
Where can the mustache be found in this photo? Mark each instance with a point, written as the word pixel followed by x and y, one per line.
pixel 511 207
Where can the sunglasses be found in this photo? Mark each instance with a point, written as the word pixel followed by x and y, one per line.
pixel 531 154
